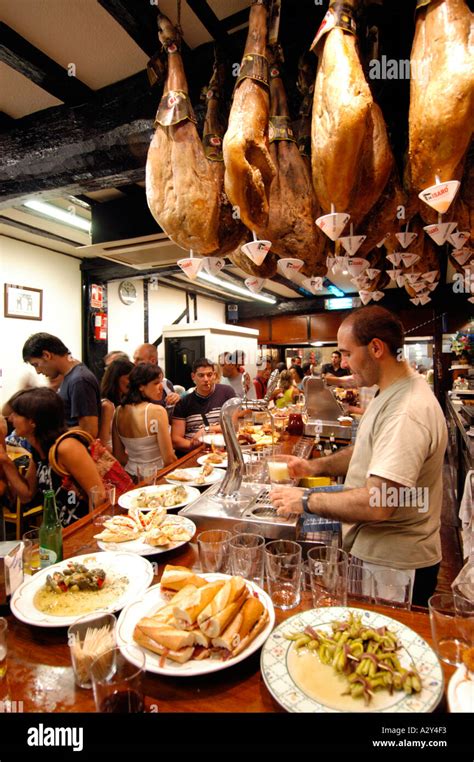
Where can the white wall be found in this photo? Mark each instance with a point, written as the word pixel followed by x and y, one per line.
pixel 59 276
pixel 126 326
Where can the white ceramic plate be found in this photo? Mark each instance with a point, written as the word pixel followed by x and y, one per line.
pixel 127 500
pixel 461 691
pixel 281 684
pixel 203 459
pixel 194 473
pixel 151 601
pixel 142 548
pixel 138 570
pixel 214 439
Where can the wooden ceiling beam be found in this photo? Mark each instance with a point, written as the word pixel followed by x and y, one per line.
pixel 64 150
pixel 208 18
pixel 25 58
pixel 6 121
pixel 138 19
pixel 235 20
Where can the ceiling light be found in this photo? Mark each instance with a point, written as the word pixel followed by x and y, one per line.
pixel 236 289
pixel 335 290
pixel 61 215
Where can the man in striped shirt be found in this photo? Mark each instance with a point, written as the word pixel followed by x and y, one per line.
pixel 201 409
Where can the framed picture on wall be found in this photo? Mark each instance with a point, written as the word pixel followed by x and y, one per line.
pixel 23 302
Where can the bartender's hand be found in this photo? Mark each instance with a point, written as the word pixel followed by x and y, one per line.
pixel 297 467
pixel 287 500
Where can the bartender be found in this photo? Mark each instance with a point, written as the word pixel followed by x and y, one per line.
pixel 334 370
pixel 394 471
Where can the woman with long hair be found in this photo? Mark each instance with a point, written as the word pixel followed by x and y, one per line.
pixel 140 429
pixel 38 415
pixel 113 387
pixel 287 390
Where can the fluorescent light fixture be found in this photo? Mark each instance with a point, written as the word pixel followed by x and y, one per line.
pixel 335 290
pixel 236 289
pixel 340 303
pixel 61 215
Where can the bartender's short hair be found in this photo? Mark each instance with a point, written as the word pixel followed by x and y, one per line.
pixel 43 342
pixel 232 358
pixel 376 322
pixel 203 362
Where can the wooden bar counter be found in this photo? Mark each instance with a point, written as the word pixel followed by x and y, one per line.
pixel 40 674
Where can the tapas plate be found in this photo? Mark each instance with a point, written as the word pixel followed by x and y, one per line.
pixel 203 459
pixel 193 474
pixel 142 548
pixel 137 571
pixel 214 439
pixel 295 689
pixel 151 600
pixel 129 499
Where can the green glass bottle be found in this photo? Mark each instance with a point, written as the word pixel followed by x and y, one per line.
pixel 50 533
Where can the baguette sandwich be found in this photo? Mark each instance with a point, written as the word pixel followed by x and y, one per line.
pixel 176 577
pixel 188 610
pixel 248 623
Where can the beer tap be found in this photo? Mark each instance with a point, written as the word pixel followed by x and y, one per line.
pixel 235 463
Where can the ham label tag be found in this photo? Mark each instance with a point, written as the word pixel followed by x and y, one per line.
pixel 254 66
pixel 339 15
pixel 279 128
pixel 174 107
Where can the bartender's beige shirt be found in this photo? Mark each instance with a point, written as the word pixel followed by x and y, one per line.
pixel 402 437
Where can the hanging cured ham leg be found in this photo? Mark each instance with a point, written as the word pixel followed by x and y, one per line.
pixel 230 232
pixel 441 115
pixel 351 156
pixel 182 192
pixel 292 204
pixel 249 169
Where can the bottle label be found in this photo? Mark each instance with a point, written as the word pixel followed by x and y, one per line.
pixel 47 557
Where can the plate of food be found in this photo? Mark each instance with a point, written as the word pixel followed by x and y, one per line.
pixel 145 533
pixel 218 459
pixel 379 665
pixel 193 624
pixel 195 477
pixel 159 495
pixel 58 595
pixel 215 440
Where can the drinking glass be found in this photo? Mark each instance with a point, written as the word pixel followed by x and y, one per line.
pixel 247 557
pixel 283 567
pixel 360 585
pixel 392 587
pixel 328 570
pixel 279 474
pixel 88 637
pixel 31 552
pixel 117 683
pixel 96 498
pixel 447 629
pixel 146 474
pixel 246 527
pixel 213 546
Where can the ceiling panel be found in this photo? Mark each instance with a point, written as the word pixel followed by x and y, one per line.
pixel 79 32
pixel 224 8
pixel 194 32
pixel 19 96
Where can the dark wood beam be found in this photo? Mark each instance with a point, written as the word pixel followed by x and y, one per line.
pixel 64 150
pixel 132 190
pixel 22 56
pixel 208 18
pixel 138 19
pixel 6 121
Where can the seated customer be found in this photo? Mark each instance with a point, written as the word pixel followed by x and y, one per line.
pixel 200 408
pixel 140 430
pixel 38 415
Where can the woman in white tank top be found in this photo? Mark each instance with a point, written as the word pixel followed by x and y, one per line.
pixel 140 429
